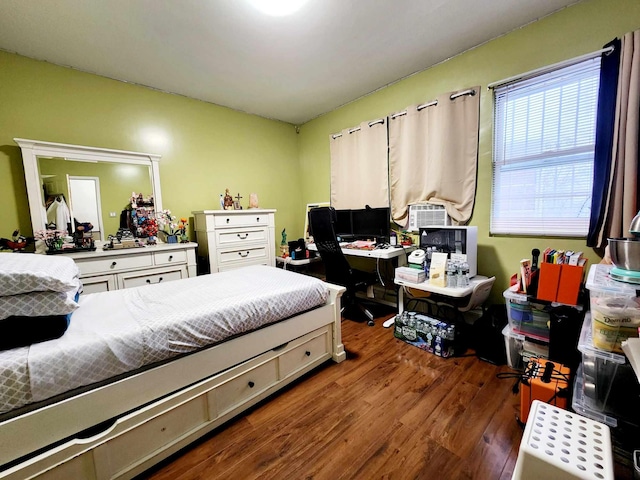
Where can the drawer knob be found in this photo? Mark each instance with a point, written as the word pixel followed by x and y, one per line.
pixel 243 236
pixel 113 264
pixel 149 281
pixel 243 255
pixel 170 257
pixel 258 219
pixel 251 384
pixel 228 220
pixel 307 353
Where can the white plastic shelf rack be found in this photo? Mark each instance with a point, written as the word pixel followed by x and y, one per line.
pixel 558 444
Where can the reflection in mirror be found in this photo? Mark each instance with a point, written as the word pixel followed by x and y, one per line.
pixel 96 192
pixel 105 179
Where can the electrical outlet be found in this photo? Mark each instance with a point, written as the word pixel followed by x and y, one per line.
pixel 113 214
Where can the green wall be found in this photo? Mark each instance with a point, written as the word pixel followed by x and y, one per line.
pixel 573 31
pixel 205 148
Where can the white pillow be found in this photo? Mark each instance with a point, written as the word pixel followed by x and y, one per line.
pixel 38 304
pixel 30 272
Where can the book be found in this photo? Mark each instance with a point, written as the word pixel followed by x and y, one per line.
pixel 525 274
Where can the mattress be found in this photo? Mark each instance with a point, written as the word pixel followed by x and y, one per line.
pixel 112 333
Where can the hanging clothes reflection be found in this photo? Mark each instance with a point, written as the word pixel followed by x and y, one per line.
pixel 58 212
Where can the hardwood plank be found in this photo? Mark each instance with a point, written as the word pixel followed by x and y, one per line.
pixel 390 410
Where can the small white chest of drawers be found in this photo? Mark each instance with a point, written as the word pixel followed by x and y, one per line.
pixel 229 239
pixel 105 270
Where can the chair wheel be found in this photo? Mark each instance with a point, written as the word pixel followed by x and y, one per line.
pixel 371 323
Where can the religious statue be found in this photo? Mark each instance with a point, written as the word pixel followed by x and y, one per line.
pixel 236 203
pixel 284 246
pixel 228 200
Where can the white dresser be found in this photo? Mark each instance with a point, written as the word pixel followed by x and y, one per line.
pixel 105 270
pixel 229 239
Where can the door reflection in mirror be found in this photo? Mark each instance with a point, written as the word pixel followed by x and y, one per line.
pixel 84 198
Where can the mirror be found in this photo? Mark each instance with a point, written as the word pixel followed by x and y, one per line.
pixel 94 184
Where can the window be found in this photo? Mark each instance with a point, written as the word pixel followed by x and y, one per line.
pixel 544 138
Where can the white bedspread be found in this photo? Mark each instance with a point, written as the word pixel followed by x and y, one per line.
pixel 116 332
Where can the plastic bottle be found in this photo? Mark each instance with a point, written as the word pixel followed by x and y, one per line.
pixel 464 274
pixel 451 275
pixel 393 239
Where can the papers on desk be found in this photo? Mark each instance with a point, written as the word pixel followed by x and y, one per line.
pixel 631 348
pixel 364 244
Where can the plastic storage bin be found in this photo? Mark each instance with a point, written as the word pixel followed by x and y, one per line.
pixel 520 348
pixel 527 317
pixel 609 384
pixel 579 405
pixel 615 309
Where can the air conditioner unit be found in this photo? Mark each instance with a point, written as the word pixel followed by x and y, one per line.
pixel 426 215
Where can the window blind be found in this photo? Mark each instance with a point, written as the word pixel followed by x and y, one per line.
pixel 544 139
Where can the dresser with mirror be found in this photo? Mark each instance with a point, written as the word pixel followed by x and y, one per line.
pixel 95 184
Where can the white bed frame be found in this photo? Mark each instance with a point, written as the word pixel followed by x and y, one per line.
pixel 161 410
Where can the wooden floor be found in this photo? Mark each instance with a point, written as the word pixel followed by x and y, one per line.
pixel 390 410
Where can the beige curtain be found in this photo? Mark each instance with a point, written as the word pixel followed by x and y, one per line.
pixel 622 204
pixel 359 169
pixel 433 156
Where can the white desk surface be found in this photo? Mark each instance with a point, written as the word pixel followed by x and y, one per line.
pixel 382 253
pixel 302 261
pixel 446 291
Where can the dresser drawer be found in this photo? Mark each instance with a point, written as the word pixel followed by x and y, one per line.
pixel 245 386
pixel 170 257
pixel 305 354
pixel 250 255
pixel 248 220
pixel 138 279
pixel 227 238
pixel 125 450
pixel 78 467
pixel 99 283
pixel 114 264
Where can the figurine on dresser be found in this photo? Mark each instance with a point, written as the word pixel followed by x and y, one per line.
pixel 228 200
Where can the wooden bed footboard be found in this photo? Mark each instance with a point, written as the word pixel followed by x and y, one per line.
pixel 161 410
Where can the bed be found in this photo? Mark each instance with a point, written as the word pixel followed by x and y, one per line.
pixel 159 366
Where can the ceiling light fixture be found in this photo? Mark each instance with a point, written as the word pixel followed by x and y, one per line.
pixel 278 8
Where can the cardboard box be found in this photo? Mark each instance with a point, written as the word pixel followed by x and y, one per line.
pixel 409 274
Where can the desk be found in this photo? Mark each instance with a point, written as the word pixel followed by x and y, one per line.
pixel 457 292
pixel 380 253
pixel 398 255
pixel 303 262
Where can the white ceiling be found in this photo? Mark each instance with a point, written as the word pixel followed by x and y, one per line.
pixel 224 51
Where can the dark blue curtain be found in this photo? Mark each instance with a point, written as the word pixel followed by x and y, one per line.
pixel 609 66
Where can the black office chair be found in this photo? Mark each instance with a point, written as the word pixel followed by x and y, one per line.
pixel 337 268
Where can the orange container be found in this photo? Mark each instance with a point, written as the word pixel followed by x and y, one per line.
pixel 549 281
pixel 569 287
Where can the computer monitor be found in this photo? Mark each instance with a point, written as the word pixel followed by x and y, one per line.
pixel 343 226
pixel 372 223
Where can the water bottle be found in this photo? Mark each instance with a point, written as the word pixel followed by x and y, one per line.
pixel 451 275
pixel 464 276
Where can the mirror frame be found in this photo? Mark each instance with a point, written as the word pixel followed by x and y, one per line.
pixel 32 149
